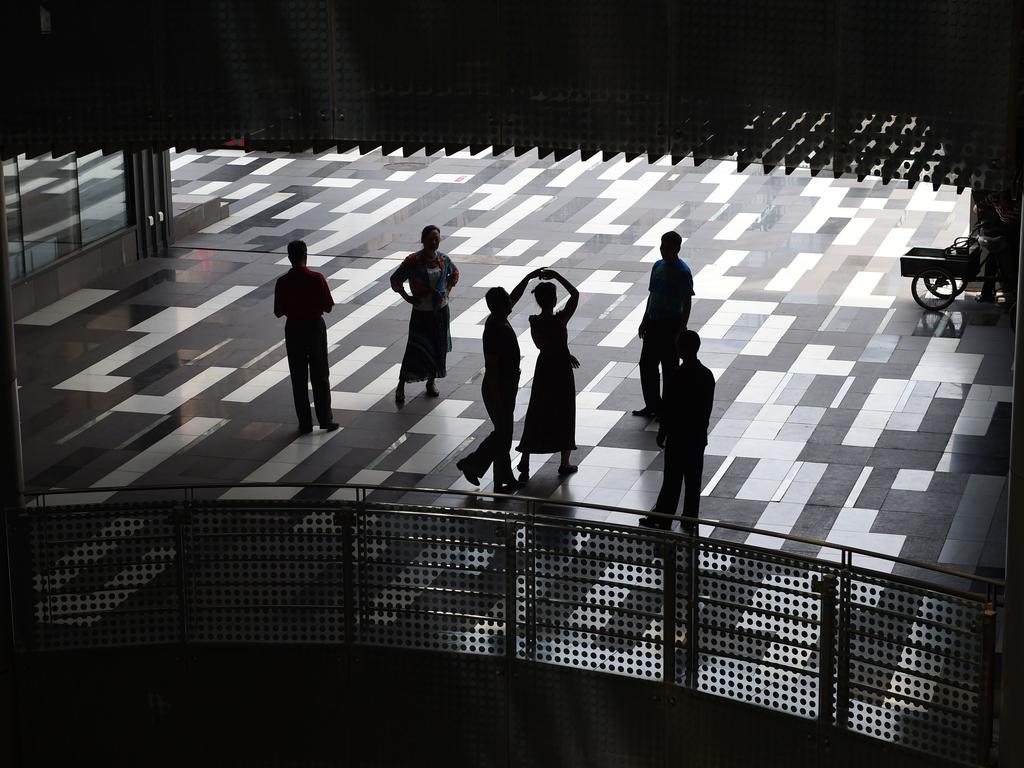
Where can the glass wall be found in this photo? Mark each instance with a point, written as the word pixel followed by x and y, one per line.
pixel 12 211
pixel 101 195
pixel 49 209
pixel 56 205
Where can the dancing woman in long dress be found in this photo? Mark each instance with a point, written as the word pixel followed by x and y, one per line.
pixel 550 425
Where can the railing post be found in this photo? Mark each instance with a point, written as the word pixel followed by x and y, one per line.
pixel 359 557
pixel 530 606
pixel 825 586
pixel 182 517
pixel 347 568
pixel 511 632
pixel 987 686
pixel 668 615
pixel 843 662
pixel 511 606
pixel 693 611
pixel 668 639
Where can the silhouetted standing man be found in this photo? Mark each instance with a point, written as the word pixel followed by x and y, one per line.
pixel 668 311
pixel 302 296
pixel 500 384
pixel 683 431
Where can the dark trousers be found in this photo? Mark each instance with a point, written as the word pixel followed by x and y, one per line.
pixel 1007 257
pixel 659 349
pixel 683 462
pixel 306 342
pixel 496 448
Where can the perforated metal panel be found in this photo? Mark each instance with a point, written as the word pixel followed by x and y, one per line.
pixel 266 575
pixel 912 90
pixel 553 709
pixel 425 709
pixel 417 72
pixel 88 569
pixel 430 581
pixel 595 599
pixel 229 69
pixel 846 651
pixel 914 667
pixel 758 637
pixel 579 73
pixel 922 90
pixel 711 731
pixel 755 78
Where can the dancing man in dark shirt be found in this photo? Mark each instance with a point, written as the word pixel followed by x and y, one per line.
pixel 500 384
pixel 302 296
pixel 683 431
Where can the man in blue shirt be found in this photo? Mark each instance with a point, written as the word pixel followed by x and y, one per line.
pixel 668 311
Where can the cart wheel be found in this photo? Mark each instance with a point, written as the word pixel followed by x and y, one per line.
pixel 934 288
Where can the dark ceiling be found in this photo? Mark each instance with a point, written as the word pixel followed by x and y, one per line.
pixel 922 90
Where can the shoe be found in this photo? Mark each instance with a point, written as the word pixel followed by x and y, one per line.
pixel 650 522
pixel 988 299
pixel 399 396
pixel 524 478
pixel 305 430
pixel 567 469
pixel 330 426
pixel 647 413
pixel 460 465
pixel 510 487
pixel 432 391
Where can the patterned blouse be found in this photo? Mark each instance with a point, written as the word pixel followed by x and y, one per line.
pixel 424 276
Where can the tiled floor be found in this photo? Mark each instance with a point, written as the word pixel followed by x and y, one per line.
pixel 843 412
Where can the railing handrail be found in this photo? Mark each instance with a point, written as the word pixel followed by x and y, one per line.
pixel 842 606
pixel 848 551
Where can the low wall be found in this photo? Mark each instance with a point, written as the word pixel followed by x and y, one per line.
pixel 190 215
pixel 366 707
pixel 74 271
pixel 79 269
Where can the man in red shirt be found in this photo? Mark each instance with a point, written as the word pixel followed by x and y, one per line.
pixel 302 296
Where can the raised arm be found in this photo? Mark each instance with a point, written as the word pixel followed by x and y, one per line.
pixel 517 292
pixel 574 295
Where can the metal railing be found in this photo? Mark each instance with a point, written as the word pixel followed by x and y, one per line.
pixel 902 657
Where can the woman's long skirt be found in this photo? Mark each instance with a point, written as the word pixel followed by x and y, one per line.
pixel 426 352
pixel 550 424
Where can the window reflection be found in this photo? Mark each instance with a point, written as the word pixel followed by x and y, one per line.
pixel 55 205
pixel 101 195
pixel 49 208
